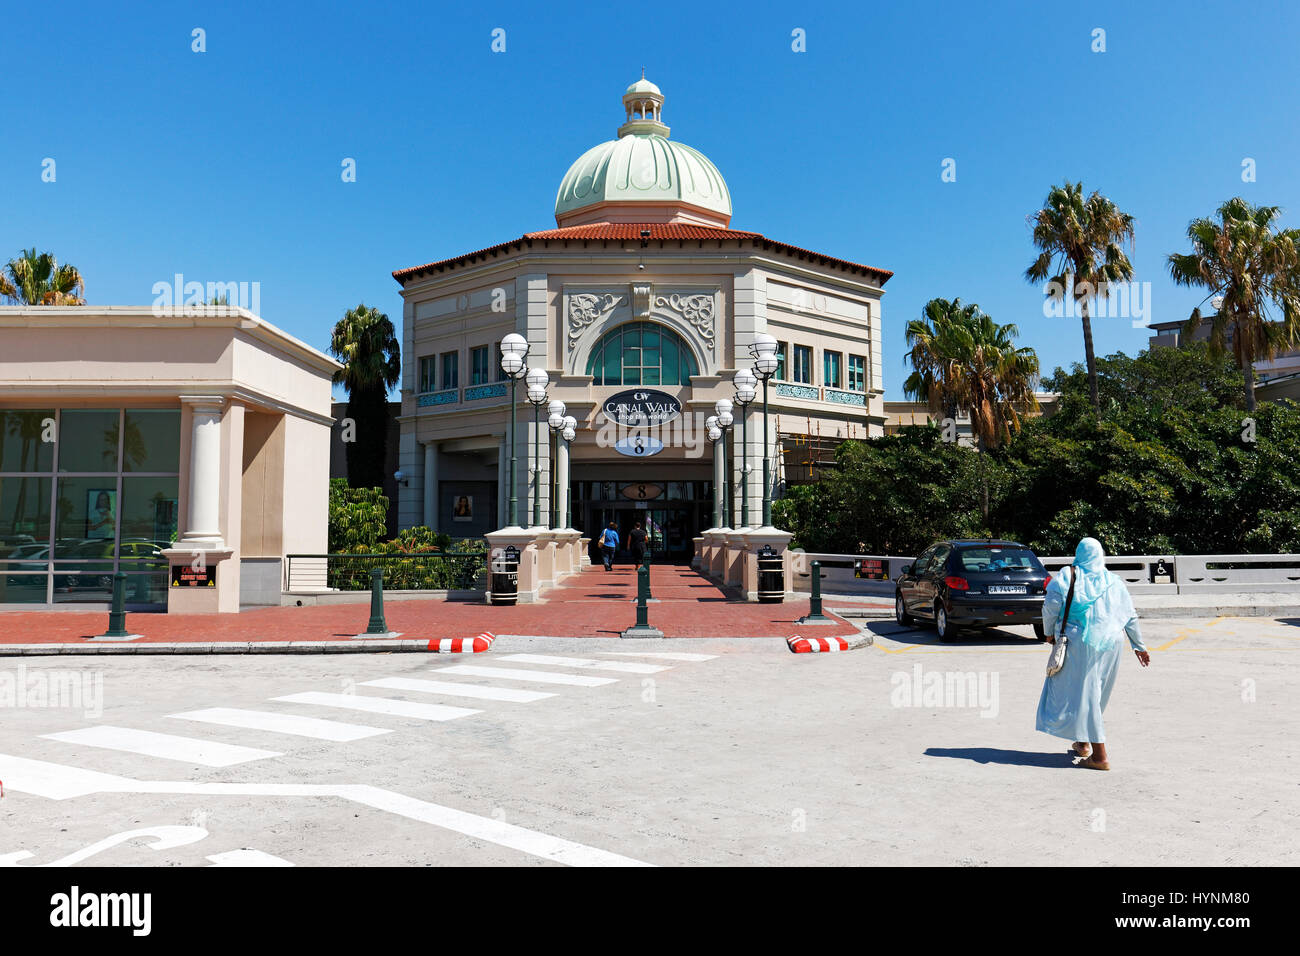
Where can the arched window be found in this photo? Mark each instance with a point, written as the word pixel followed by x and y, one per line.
pixel 641 353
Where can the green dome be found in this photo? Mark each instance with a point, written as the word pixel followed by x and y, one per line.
pixel 644 166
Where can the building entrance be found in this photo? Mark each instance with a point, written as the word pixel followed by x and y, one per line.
pixel 671 514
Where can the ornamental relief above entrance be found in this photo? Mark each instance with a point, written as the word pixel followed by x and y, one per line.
pixel 690 310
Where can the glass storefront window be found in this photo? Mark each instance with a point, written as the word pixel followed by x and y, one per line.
pixel 152 440
pixel 24 512
pixel 87 439
pixel 26 440
pixel 116 481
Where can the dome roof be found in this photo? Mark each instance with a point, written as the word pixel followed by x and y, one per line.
pixel 643 86
pixel 643 176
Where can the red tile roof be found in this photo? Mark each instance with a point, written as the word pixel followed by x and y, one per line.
pixel 623 231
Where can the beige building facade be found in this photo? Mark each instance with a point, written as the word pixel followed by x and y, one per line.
pixel 642 299
pixel 187 448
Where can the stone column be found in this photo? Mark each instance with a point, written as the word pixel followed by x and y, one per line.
pixel 431 486
pixel 719 484
pixel 562 483
pixel 203 521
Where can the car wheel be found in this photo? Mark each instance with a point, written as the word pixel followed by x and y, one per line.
pixel 947 633
pixel 1039 632
pixel 901 616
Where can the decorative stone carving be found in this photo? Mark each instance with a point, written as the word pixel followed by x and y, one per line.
pixel 641 295
pixel 587 308
pixel 696 308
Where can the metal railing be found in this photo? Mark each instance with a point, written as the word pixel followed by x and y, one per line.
pixel 403 571
pixel 1143 573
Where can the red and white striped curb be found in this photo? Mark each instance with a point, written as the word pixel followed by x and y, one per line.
pixel 825 645
pixel 463 645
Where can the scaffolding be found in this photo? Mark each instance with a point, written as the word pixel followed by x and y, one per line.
pixel 805 454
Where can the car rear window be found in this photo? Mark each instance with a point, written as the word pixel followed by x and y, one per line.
pixel 995 558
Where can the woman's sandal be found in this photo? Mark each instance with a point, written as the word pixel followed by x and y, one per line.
pixel 1081 749
pixel 1092 764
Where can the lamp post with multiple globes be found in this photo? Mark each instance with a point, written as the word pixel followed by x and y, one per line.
pixel 514 349
pixel 764 349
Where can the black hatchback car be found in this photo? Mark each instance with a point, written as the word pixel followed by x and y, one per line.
pixel 972 583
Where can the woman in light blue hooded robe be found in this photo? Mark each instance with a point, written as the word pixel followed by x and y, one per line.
pixel 1073 700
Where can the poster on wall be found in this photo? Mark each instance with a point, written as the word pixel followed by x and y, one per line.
pixel 101 507
pixel 462 508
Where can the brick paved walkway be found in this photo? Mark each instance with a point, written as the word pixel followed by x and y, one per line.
pixel 594 603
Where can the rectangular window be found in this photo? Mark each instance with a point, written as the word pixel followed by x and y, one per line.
pixel 832 365
pixel 427 367
pixel 479 366
pixel 782 350
pixel 450 369
pixel 500 373
pixel 857 373
pixel 803 359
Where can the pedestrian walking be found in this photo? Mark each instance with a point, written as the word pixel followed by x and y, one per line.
pixel 636 540
pixel 608 545
pixel 1087 608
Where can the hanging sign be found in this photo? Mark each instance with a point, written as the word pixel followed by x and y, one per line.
pixel 638 446
pixel 642 491
pixel 641 406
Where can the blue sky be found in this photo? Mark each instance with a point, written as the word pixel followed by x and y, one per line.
pixel 225 165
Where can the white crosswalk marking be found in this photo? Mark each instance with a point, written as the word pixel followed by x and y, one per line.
pixel 380 705
pixel 246 858
pixel 663 655
pixel 458 690
pixel 540 677
pixel 168 746
pixel 314 727
pixel 625 667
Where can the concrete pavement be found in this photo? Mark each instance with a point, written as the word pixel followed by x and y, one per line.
pixel 733 752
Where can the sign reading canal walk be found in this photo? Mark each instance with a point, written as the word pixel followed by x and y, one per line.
pixel 636 409
pixel 642 407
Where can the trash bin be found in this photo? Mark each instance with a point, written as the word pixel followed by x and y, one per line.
pixel 771 576
pixel 505 577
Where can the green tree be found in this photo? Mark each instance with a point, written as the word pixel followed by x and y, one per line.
pixel 32 279
pixel 1242 260
pixel 366 343
pixel 1081 242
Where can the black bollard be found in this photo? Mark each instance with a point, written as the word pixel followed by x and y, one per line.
pixel 642 627
pixel 377 624
pixel 815 615
pixel 117 613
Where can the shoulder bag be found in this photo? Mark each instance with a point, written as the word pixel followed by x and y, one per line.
pixel 1056 660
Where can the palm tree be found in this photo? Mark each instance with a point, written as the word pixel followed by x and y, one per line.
pixel 32 279
pixel 963 360
pixel 1081 241
pixel 365 342
pixel 1243 261
pixel 934 352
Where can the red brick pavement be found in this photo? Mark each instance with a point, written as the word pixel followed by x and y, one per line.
pixel 594 603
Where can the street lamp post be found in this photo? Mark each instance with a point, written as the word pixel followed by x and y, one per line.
pixel 555 421
pixel 745 383
pixel 715 433
pixel 723 409
pixel 514 349
pixel 537 380
pixel 763 349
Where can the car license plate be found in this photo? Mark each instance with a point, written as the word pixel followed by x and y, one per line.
pixel 1007 589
